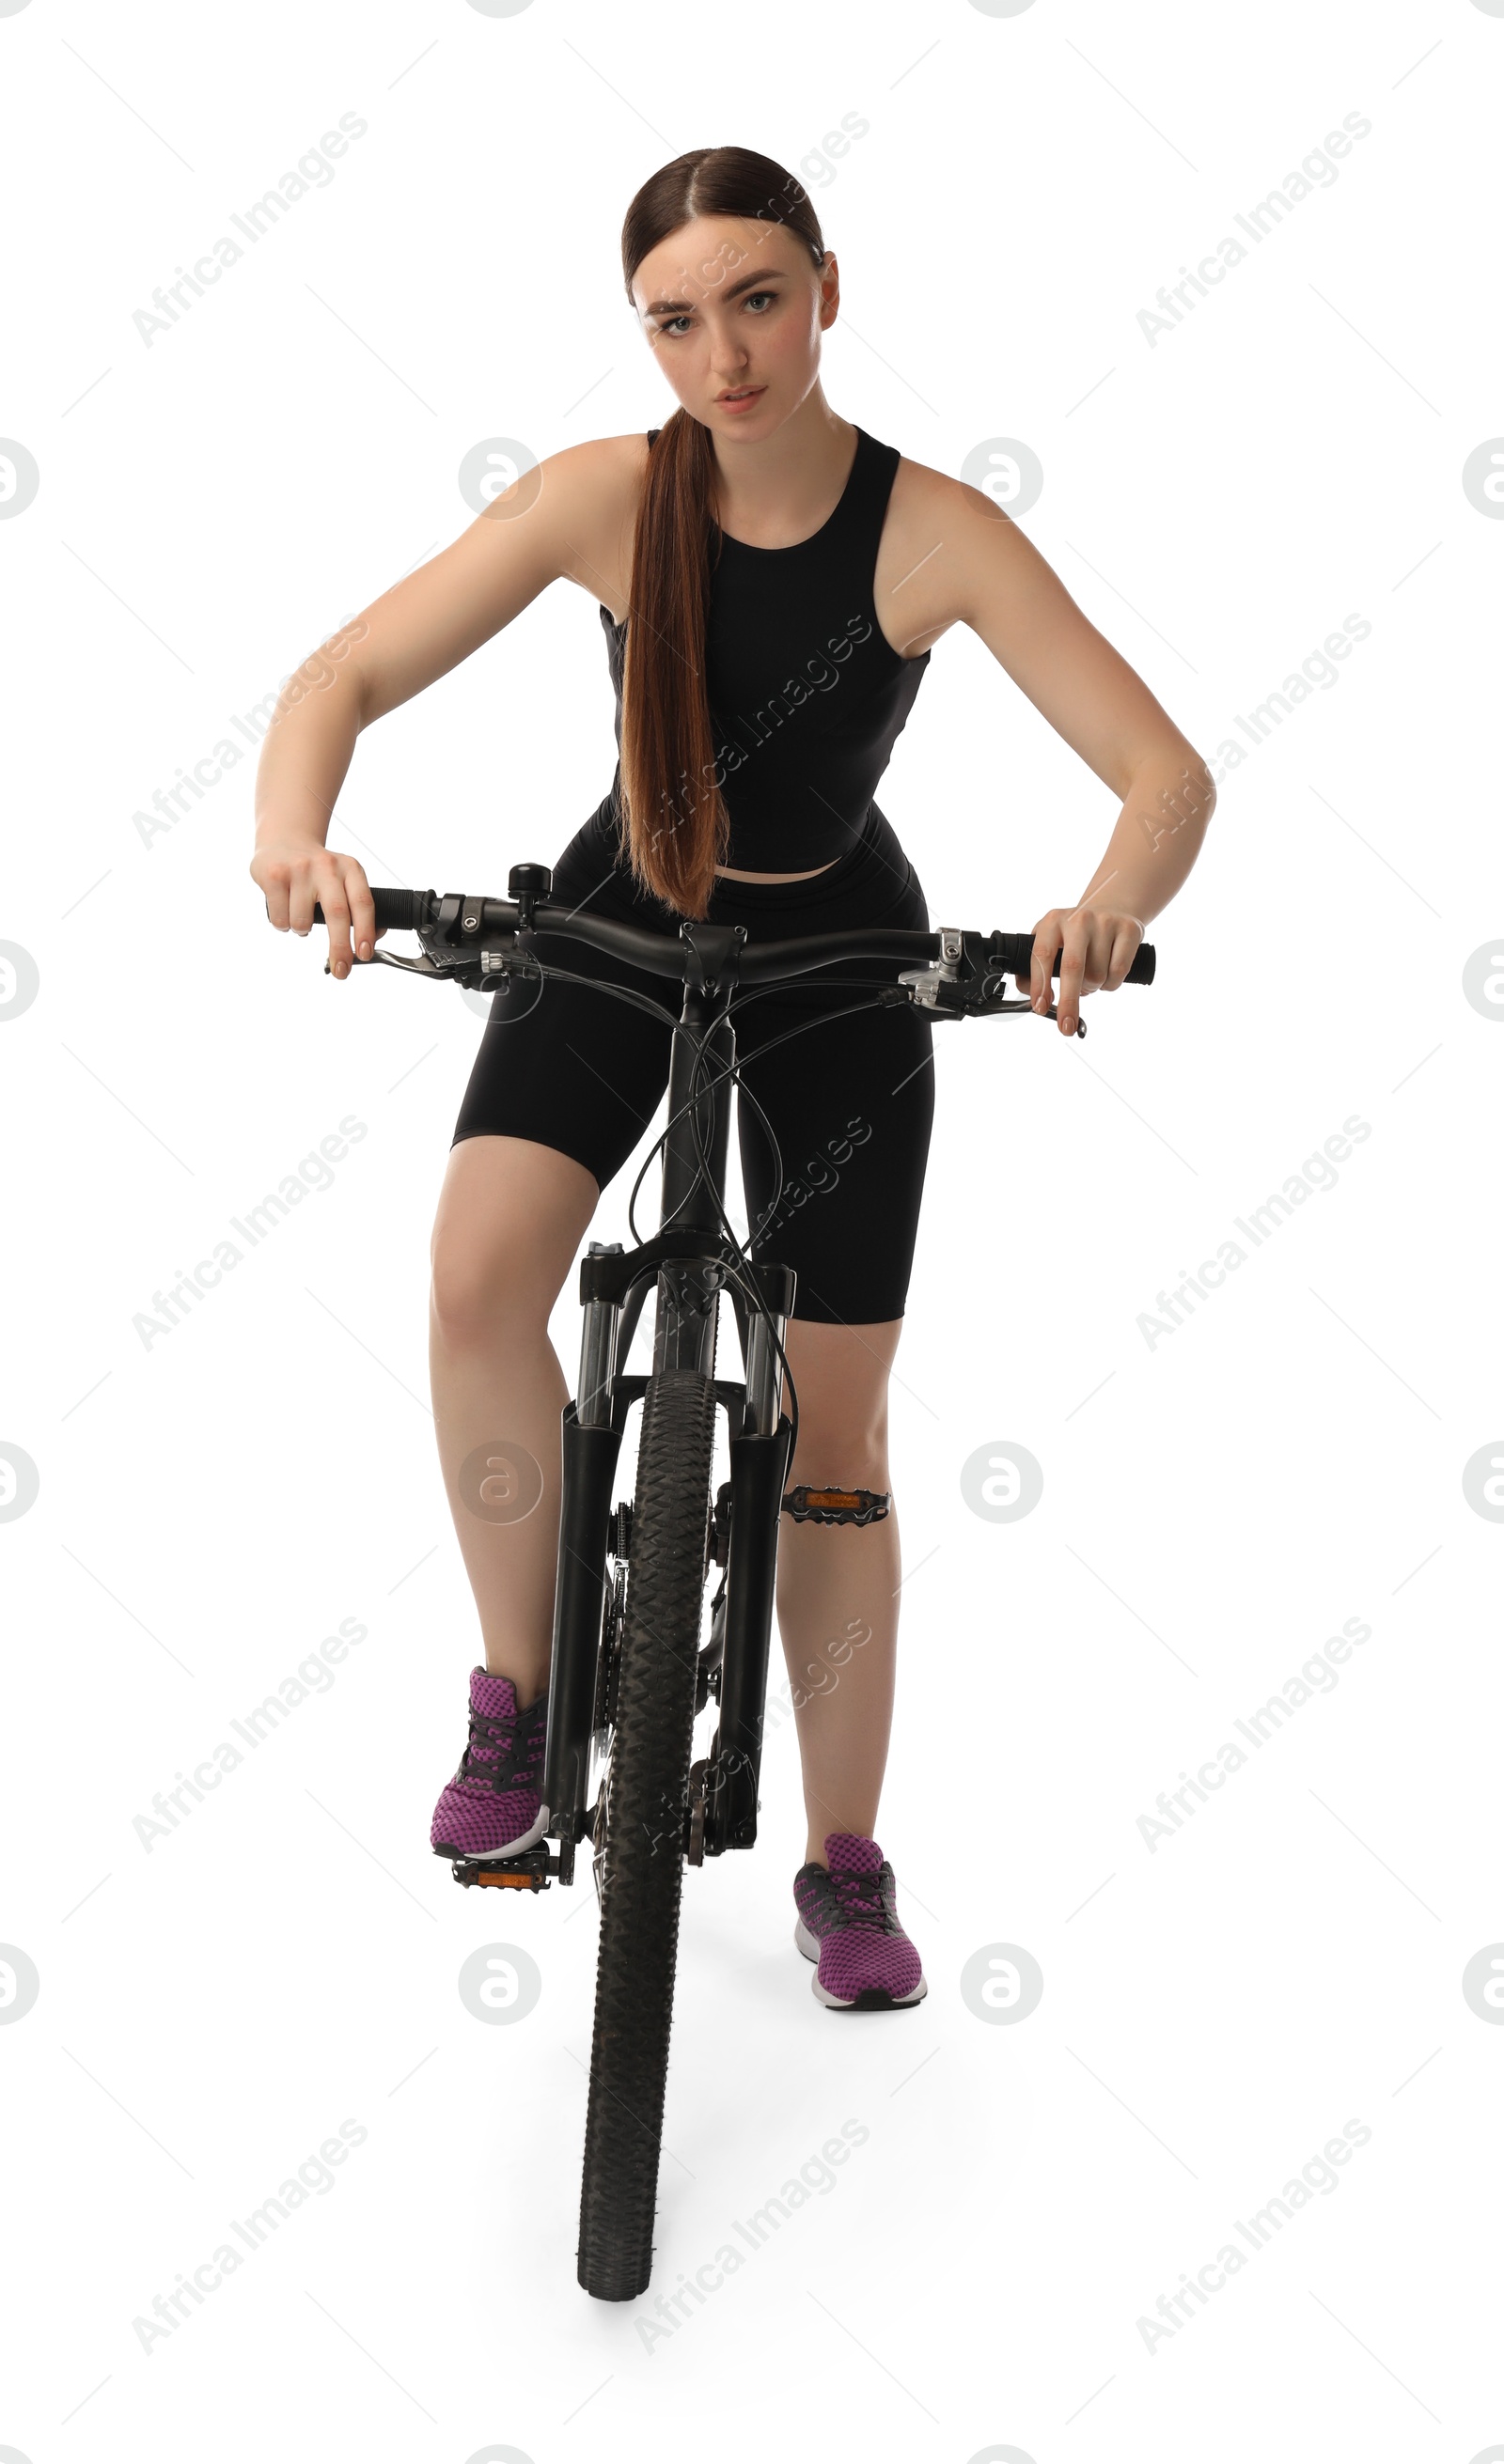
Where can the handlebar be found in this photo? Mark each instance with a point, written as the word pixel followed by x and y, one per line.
pixel 397 910
pixel 952 970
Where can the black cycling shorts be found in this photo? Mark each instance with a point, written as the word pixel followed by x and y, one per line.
pixel 851 1101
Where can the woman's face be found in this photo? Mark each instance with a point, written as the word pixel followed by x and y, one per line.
pixel 731 305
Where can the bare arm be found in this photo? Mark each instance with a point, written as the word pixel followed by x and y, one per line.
pixel 540 527
pixel 996 580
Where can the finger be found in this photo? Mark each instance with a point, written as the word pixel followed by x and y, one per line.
pixel 302 892
pixel 337 916
pixel 1096 956
pixel 275 893
pixel 1046 941
pixel 1125 947
pixel 363 908
pixel 1074 943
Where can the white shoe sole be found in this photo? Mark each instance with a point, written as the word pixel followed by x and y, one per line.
pixel 510 1848
pixel 808 1944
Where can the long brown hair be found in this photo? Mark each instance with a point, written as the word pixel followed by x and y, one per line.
pixel 677 827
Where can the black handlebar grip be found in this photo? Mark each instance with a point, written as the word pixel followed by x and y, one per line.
pixel 401 910
pixel 1016 956
pixel 397 910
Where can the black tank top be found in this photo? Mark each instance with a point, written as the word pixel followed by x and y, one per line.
pixel 806 697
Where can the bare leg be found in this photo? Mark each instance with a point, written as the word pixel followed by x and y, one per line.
pixel 838 1583
pixel 511 1217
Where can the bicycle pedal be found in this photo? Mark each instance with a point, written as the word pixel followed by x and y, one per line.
pixel 806 1505
pixel 528 1873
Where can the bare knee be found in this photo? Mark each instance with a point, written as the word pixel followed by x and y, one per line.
pixel 510 1219
pixel 841 1378
pixel 483 1287
pixel 843 1441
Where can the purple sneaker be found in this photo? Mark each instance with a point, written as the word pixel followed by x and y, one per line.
pixel 849 1921
pixel 492 1803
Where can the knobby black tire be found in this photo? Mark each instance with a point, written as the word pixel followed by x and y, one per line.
pixel 652 1748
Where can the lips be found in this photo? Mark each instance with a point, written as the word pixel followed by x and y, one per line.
pixel 741 393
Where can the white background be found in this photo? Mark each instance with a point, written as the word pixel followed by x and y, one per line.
pixel 1214 1507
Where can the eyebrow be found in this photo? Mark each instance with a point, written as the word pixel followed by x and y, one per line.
pixel 684 307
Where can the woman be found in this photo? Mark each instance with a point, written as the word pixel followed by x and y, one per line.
pixel 785 577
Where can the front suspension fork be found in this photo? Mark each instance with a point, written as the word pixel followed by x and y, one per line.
pixel 590 1436
pixel 759 1465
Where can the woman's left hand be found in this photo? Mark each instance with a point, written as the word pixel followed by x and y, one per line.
pixel 1097 944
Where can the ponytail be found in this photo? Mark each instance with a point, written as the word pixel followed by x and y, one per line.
pixel 677 826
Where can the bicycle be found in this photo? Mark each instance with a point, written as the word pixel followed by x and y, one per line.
pixel 630 1673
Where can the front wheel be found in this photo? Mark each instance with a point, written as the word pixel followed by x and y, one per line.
pixel 641 1871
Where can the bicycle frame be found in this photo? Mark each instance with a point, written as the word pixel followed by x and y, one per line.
pixel 690 1262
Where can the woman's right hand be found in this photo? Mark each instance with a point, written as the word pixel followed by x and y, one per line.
pixel 295 875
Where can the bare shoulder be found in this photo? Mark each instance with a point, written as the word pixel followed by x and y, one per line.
pixel 940 534
pixel 567 518
pixel 951 554
pixel 593 476
pixel 917 486
pixel 587 499
pixel 934 505
pixel 959 557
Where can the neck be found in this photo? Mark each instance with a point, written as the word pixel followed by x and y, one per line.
pixel 782 487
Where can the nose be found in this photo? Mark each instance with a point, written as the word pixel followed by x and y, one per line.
pixel 727 358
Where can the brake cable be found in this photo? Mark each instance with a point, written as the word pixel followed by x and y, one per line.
pixel 730 1074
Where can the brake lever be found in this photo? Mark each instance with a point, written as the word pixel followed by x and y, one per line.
pixel 940 996
pixel 422 966
pixel 994 1008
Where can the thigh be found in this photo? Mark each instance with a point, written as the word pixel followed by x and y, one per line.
pixel 850 1103
pixel 570 1066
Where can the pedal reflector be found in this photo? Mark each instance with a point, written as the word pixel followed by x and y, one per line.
pixel 807 1505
